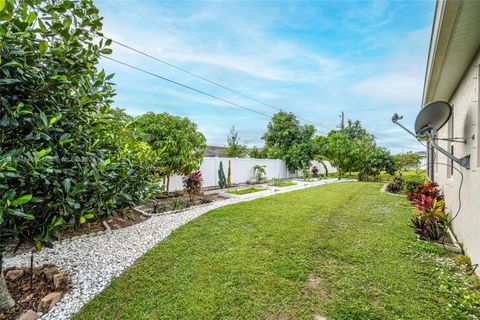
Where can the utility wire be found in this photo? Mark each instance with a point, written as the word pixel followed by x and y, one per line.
pixel 185 86
pixel 170 32
pixel 208 80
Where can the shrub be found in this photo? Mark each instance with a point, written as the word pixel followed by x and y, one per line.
pixel 411 185
pixel 192 184
pixel 314 171
pixel 396 185
pixel 429 189
pixel 427 228
pixel 259 172
pixel 178 203
pixel 282 183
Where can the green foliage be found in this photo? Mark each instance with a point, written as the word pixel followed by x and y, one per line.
pixel 407 160
pixel 396 185
pixel 56 149
pixel 341 251
pixel 192 184
pixel 235 148
pixel 257 153
pixel 376 161
pixel 222 182
pixel 339 149
pixel 178 203
pixel 245 190
pixel 259 172
pixel 282 183
pixel 182 145
pixel 286 139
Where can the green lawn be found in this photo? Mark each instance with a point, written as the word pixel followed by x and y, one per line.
pixel 344 251
pixel 245 190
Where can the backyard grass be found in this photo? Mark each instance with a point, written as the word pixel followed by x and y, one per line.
pixel 342 251
pixel 283 183
pixel 245 190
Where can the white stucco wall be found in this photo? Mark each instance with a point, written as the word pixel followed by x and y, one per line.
pixel 466 116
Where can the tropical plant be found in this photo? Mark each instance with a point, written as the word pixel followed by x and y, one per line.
pixel 159 206
pixel 427 228
pixel 396 185
pixel 259 172
pixel 314 171
pixel 429 189
pixel 235 148
pixel 222 182
pixel 431 207
pixel 192 184
pixel 178 203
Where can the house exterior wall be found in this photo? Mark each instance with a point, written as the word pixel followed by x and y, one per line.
pixel 464 123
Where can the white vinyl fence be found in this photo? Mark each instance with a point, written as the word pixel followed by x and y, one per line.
pixel 242 170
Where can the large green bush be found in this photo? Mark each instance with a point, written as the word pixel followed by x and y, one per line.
pixel 65 157
pixel 178 138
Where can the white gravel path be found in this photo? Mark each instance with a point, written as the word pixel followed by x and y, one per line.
pixel 92 263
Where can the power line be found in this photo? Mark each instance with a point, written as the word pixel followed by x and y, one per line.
pixel 208 80
pixel 185 86
pixel 225 64
pixel 200 91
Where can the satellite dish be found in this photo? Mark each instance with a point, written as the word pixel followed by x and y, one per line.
pixel 429 120
pixel 433 116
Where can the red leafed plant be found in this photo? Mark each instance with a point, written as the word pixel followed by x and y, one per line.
pixel 429 189
pixel 314 171
pixel 192 184
pixel 431 207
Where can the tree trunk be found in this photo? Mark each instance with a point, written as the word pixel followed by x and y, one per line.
pixel 6 301
pixel 339 174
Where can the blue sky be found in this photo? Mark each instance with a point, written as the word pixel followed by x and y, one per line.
pixel 314 58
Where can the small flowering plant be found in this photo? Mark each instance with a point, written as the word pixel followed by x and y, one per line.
pixel 314 171
pixel 192 184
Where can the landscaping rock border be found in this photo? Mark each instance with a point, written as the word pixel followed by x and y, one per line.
pixel 92 262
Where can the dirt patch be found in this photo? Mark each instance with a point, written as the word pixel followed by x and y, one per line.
pixel 27 296
pixel 314 285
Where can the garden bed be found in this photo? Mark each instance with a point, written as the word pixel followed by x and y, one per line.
pixel 177 201
pixel 248 190
pixel 35 294
pixel 283 183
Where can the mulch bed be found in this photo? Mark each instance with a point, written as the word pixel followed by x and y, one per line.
pixel 168 199
pixel 26 296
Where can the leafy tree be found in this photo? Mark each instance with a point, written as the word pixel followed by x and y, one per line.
pixel 339 149
pixel 288 140
pixel 57 166
pixel 407 160
pixel 178 138
pixel 377 161
pixel 257 153
pixel 235 148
